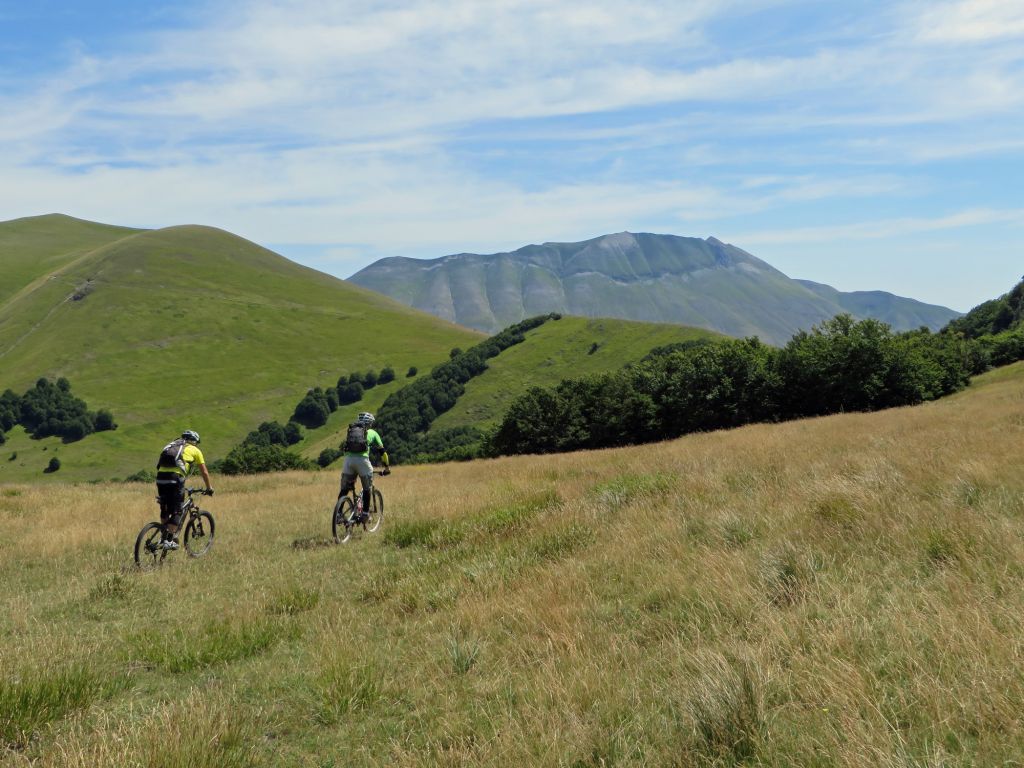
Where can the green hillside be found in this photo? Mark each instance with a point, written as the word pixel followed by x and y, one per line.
pixel 32 248
pixel 185 326
pixel 568 348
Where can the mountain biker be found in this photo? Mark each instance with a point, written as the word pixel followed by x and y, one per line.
pixel 360 439
pixel 175 464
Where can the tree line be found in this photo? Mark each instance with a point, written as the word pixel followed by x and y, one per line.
pixel 840 365
pixel 48 409
pixel 406 415
pixel 265 449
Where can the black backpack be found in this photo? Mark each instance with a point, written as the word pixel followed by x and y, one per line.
pixel 170 456
pixel 355 440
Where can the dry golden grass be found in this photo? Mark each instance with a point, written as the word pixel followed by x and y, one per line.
pixel 841 591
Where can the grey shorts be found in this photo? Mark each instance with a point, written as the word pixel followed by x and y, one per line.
pixel 356 465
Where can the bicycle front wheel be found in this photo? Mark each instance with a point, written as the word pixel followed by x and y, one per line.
pixel 149 552
pixel 376 516
pixel 199 534
pixel 342 526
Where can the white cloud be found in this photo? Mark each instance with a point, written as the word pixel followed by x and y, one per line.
pixel 883 229
pixel 971 21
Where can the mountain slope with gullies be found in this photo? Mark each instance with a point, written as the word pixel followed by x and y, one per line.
pixel 648 277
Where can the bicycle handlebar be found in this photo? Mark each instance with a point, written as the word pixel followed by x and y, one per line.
pixel 202 491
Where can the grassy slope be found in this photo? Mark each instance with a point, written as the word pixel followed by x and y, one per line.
pixel 555 351
pixel 192 326
pixel 843 591
pixel 32 248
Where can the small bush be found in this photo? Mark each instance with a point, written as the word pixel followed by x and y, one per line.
pixel 411 372
pixel 53 466
pixel 327 455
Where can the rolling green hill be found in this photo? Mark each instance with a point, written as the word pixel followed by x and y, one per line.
pixel 182 327
pixel 567 348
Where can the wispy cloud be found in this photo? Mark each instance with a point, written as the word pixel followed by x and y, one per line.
pixel 408 127
pixel 971 21
pixel 882 229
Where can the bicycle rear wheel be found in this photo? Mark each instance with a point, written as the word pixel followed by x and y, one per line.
pixel 342 525
pixel 376 516
pixel 199 534
pixel 149 552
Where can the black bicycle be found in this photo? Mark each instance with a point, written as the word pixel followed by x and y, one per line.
pixel 349 519
pixel 196 539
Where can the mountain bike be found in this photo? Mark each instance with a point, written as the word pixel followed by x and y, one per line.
pixel 349 519
pixel 196 539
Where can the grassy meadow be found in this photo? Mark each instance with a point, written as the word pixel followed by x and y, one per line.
pixel 843 591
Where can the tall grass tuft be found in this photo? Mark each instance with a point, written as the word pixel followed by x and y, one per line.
pixel 219 641
pixel 727 712
pixel 462 653
pixel 33 698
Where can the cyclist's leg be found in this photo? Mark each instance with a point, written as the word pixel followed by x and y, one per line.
pixel 171 493
pixel 365 469
pixel 348 477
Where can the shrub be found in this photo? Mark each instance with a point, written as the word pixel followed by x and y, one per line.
pixel 386 374
pixel 313 410
pixel 292 433
pixel 327 455
pixel 104 421
pixel 53 466
pixel 247 459
pixel 411 372
pixel 350 393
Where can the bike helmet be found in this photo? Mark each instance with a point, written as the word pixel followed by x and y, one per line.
pixel 366 419
pixel 191 436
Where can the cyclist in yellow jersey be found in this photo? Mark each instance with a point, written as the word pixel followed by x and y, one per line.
pixel 176 462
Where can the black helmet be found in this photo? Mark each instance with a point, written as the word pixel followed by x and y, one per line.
pixel 191 436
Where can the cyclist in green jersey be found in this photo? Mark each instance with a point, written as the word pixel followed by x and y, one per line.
pixel 361 438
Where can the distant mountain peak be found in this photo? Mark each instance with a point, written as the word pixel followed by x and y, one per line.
pixel 633 276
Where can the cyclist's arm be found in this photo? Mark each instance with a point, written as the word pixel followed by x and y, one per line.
pixel 206 477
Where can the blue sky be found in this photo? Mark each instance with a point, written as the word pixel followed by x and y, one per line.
pixel 869 145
